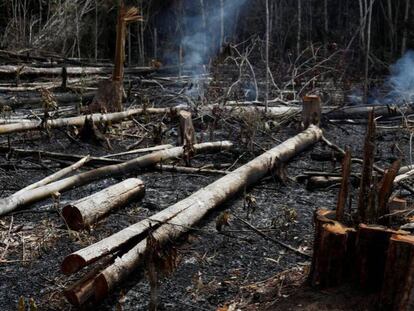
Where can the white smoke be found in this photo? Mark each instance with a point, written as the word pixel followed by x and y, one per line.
pixel 401 81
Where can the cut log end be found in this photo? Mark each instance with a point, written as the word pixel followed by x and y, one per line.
pixel 78 295
pixel 101 285
pixel 73 217
pixel 72 263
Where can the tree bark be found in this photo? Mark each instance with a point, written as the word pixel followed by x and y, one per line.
pixel 333 251
pixel 398 286
pixel 86 211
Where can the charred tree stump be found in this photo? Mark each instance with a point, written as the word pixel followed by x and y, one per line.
pixel 90 133
pixel 333 251
pixel 398 287
pixel 64 84
pixel 187 135
pixel 371 248
pixel 311 111
pixel 86 211
pixel 110 93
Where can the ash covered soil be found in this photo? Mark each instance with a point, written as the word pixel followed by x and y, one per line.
pixel 215 269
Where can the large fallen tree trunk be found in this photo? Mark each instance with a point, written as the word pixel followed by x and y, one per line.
pixel 17 102
pixel 196 206
pixel 362 112
pixel 123 169
pixel 185 213
pixel 79 120
pixel 86 211
pixel 36 72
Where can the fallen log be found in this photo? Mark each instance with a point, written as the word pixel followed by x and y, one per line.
pixel 80 120
pixel 13 202
pixel 16 102
pixel 362 112
pixel 86 211
pixel 198 203
pixel 322 182
pixel 36 72
pixel 56 176
pixel 196 206
pixel 142 150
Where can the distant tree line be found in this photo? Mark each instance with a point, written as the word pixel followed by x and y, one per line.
pixel 373 31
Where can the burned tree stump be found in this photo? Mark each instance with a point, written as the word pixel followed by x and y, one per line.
pixel 333 251
pixel 371 248
pixel 187 135
pixel 110 93
pixel 398 286
pixel 311 110
pixel 91 134
pixel 108 97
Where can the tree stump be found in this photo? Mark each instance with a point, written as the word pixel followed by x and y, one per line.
pixel 333 251
pixel 371 249
pixel 398 286
pixel 311 110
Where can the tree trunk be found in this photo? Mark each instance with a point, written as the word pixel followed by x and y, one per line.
pixel 398 286
pixel 371 247
pixel 311 111
pixel 79 120
pixel 333 251
pixel 86 211
pixel 192 209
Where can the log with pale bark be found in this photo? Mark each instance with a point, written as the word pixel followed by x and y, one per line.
pixel 135 165
pixel 86 211
pixel 178 218
pixel 36 72
pixel 80 120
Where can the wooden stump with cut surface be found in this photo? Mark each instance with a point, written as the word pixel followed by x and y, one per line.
pixel 398 286
pixel 333 251
pixel 108 97
pixel 311 111
pixel 371 247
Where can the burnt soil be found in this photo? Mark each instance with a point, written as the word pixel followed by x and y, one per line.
pixel 215 269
